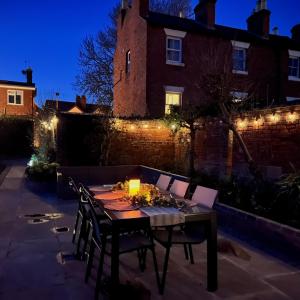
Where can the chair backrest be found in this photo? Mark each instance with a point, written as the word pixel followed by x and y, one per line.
pixel 205 196
pixel 163 182
pixel 73 186
pixel 179 188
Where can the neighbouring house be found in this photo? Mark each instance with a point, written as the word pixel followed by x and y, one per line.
pixel 17 98
pixel 159 59
pixel 80 106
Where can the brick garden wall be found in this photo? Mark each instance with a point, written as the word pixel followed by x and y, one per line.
pixel 149 143
pixel 272 136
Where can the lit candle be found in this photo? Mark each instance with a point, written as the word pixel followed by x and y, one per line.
pixel 134 187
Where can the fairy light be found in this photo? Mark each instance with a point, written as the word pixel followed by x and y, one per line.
pixel 275 118
pixel 292 117
pixel 242 124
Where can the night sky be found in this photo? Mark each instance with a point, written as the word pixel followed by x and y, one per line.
pixel 46 34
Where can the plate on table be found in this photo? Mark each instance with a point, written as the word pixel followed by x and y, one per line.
pixel 112 195
pixel 100 188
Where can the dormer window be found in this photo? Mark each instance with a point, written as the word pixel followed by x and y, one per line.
pixel 294 65
pixel 240 57
pixel 128 61
pixel 174 53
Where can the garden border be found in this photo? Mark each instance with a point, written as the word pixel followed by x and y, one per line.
pixel 279 240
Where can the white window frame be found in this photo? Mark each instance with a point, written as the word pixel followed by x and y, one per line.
pixel 15 93
pixel 175 35
pixel 237 45
pixel 290 99
pixel 238 96
pixel 173 90
pixel 174 62
pixel 294 55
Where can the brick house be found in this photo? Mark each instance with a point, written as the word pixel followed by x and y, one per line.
pixel 159 59
pixel 17 98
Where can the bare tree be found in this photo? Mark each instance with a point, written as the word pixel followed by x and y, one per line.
pixel 217 99
pixel 97 52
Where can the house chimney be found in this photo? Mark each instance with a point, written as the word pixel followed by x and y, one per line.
pixel 259 21
pixel 28 73
pixel 143 7
pixel 81 102
pixel 205 12
pixel 275 30
pixel 296 33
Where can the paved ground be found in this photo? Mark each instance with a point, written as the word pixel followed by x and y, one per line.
pixel 29 268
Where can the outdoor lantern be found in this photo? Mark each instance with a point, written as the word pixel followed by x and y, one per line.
pixel 134 187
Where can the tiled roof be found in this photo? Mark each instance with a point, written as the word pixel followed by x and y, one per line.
pixel 17 83
pixel 65 106
pixel 189 25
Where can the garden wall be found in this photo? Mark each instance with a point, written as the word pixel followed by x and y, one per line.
pixel 16 136
pixel 150 143
pixel 272 137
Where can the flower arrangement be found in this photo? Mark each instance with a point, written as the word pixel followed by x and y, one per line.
pixel 149 195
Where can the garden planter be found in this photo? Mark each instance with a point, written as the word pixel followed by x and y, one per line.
pixel 281 240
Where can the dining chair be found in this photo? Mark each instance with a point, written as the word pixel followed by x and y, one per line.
pixel 179 188
pixel 204 196
pixel 80 227
pixel 163 182
pixel 101 240
pixel 188 234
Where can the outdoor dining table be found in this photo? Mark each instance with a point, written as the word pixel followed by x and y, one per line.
pixel 135 217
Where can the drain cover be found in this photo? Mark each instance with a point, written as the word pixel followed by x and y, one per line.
pixel 37 221
pixel 35 216
pixel 60 229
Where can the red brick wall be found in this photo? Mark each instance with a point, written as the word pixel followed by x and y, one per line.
pixel 143 93
pixel 130 89
pixel 273 141
pixel 149 143
pixel 270 142
pixel 20 110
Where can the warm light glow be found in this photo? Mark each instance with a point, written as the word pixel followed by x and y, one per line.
pixel 242 124
pixel 158 127
pixel 146 126
pixel 134 187
pixel 54 121
pixel 275 118
pixel 258 122
pixel 132 127
pixel 292 117
pixel 173 126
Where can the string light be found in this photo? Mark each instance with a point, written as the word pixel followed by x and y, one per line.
pixel 242 124
pixel 292 117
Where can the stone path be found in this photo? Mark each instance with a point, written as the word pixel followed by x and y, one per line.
pixel 29 267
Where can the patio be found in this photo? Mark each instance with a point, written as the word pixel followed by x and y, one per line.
pixel 31 267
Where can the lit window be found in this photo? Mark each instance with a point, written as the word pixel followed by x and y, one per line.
pixel 294 67
pixel 239 59
pixel 128 61
pixel 173 101
pixel 15 97
pixel 174 50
